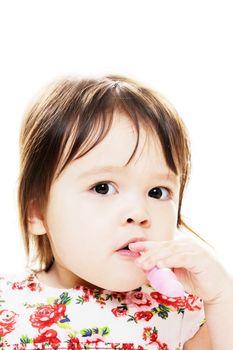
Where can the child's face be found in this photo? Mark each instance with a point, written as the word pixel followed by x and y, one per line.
pixel 87 222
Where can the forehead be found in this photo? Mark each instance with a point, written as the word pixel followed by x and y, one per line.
pixel 123 138
pixel 117 147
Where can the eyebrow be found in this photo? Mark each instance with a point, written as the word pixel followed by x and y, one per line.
pixel 171 176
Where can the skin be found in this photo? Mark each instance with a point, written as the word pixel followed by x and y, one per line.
pixel 86 228
pixel 81 222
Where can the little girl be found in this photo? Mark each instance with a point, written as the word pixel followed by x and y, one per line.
pixel 103 167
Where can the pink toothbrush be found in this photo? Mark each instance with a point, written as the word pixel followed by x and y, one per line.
pixel 165 282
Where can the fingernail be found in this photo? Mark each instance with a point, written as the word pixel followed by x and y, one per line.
pixel 136 246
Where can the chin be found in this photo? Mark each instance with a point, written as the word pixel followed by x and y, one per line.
pixel 123 284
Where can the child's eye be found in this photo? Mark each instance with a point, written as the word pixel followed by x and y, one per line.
pixel 104 188
pixel 162 193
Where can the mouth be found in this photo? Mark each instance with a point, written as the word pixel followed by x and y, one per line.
pixel 125 251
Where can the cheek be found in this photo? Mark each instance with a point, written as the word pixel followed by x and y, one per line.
pixel 165 223
pixel 73 231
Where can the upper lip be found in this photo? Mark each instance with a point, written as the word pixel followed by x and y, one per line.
pixel 131 240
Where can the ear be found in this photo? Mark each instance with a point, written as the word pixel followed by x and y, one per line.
pixel 35 220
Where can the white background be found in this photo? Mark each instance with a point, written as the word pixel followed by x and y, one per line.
pixel 181 48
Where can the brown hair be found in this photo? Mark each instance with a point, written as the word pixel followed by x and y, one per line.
pixel 81 111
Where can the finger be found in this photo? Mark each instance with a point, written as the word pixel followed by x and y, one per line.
pixel 158 250
pixel 184 260
pixel 141 246
pixel 173 243
pixel 164 258
pixel 149 259
pixel 146 245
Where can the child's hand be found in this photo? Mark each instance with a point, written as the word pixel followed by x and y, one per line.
pixel 193 262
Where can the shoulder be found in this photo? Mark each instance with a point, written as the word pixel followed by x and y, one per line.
pixel 200 340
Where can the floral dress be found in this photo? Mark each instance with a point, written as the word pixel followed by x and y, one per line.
pixel 35 316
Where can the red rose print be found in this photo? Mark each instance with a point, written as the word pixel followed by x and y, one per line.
pixel 74 344
pixel 119 295
pixel 193 303
pixel 18 285
pixel 153 337
pixel 91 293
pixel 138 298
pixel 120 311
pixel 146 332
pixel 94 342
pixel 7 321
pixel 50 336
pixel 145 315
pixel 176 303
pixel 45 316
pixel 88 293
pixel 22 285
pixel 149 334
pixel 128 347
pixel 34 287
pixel 162 346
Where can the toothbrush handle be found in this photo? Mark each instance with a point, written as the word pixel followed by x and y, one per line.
pixel 165 282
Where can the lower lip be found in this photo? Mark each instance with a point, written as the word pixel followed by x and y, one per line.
pixel 128 253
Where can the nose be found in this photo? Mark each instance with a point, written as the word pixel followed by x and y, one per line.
pixel 136 214
pixel 144 222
